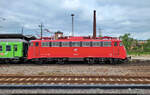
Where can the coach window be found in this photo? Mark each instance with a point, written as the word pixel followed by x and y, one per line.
pixel 65 44
pixel 36 44
pixel 115 44
pixel 8 48
pixel 86 44
pixel 96 44
pixel 75 44
pixel 55 44
pixel 107 44
pixel 1 48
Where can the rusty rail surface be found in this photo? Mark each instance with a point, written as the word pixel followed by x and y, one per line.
pixel 31 80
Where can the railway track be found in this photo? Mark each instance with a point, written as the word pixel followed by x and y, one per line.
pixel 72 80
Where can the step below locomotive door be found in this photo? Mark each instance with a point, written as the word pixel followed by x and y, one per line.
pixel 116 49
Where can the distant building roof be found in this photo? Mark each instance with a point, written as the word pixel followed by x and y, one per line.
pixel 15 36
pixel 142 41
pixel 58 32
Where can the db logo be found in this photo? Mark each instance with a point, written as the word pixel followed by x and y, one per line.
pixel 75 49
pixel 1 53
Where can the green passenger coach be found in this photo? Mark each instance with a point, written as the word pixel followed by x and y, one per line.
pixel 13 50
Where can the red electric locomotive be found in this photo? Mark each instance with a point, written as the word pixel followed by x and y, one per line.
pixel 89 49
pixel 102 49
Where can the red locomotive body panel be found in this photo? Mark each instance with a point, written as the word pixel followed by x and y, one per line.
pixel 77 47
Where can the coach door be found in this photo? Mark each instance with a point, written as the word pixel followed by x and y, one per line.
pixel 36 49
pixel 15 49
pixel 116 49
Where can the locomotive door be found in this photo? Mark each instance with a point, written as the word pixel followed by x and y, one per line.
pixel 36 49
pixel 116 49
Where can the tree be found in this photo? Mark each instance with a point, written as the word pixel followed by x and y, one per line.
pixel 127 41
pixel 146 46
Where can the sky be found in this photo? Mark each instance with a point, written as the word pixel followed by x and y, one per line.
pixel 114 17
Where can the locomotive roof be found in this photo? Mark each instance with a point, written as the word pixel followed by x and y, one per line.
pixel 17 36
pixel 12 40
pixel 78 38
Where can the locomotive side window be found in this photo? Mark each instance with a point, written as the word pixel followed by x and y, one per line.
pixel 86 44
pixel 55 44
pixel 36 44
pixel 96 44
pixel 121 44
pixel 115 44
pixel 107 44
pixel 75 44
pixel 65 44
pixel 8 48
pixel 1 48
pixel 45 44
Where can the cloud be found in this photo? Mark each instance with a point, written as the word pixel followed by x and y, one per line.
pixel 71 4
pixel 114 17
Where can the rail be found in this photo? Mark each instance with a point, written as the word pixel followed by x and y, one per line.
pixel 73 80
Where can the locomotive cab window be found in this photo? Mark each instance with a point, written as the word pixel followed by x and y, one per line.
pixel 36 44
pixel 121 44
pixel 75 44
pixel 8 48
pixel 65 44
pixel 1 48
pixel 115 44
pixel 86 44
pixel 107 44
pixel 55 44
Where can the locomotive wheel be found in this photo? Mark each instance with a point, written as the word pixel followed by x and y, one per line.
pixel 60 61
pixel 116 61
pixel 91 61
pixel 38 62
pixel 7 61
pixel 110 61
